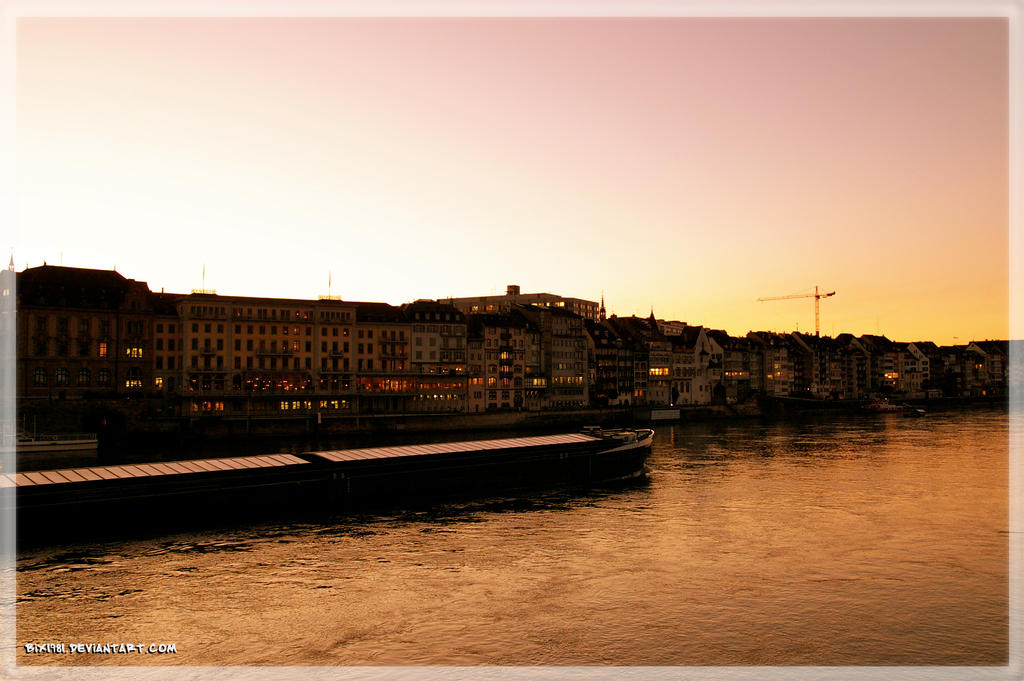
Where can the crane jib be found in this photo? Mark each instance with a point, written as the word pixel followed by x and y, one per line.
pixel 817 298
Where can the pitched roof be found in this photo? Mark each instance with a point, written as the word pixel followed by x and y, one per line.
pixel 993 347
pixel 601 332
pixel 165 303
pixel 510 320
pixel 879 343
pixel 687 339
pixel 427 308
pixel 721 337
pixel 378 313
pixel 72 287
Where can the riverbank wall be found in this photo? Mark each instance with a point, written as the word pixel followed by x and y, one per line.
pixel 117 420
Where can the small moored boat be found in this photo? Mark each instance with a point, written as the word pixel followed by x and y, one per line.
pixel 67 442
pixel 883 406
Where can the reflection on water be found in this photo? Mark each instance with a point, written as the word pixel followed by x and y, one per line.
pixel 850 540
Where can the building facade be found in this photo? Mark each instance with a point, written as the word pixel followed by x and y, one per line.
pixel 83 334
pixel 588 309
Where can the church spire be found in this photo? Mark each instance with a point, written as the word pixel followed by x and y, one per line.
pixel 602 312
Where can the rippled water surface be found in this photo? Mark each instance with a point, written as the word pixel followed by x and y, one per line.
pixel 846 540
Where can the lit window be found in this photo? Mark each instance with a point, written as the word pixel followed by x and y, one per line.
pixel 133 380
pixel 103 349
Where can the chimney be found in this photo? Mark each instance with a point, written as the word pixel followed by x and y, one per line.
pixel 512 290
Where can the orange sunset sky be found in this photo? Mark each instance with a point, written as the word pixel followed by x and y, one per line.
pixel 689 164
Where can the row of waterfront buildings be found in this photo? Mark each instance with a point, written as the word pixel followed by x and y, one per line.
pixel 84 333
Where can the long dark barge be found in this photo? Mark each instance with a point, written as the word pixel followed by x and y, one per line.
pixel 328 480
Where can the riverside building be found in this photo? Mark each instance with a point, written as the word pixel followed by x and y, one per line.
pixel 85 334
pixel 588 309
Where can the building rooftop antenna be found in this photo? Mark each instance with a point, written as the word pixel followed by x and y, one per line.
pixel 328 296
pixel 209 291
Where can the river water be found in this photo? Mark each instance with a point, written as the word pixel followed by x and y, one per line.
pixel 839 540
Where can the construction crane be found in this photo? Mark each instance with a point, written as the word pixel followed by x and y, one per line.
pixel 817 297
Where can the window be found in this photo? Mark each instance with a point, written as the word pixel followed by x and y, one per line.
pixel 134 351
pixel 158 382
pixel 103 378
pixel 103 349
pixel 39 377
pixel 83 377
pixel 83 326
